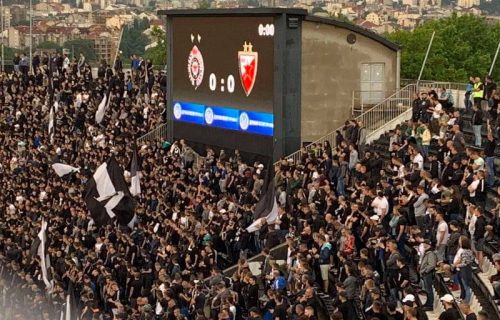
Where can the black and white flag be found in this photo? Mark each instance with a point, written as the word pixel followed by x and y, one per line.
pixel 38 248
pixel 51 124
pixel 266 210
pixel 101 109
pixel 135 182
pixel 108 196
pixel 71 311
pixel 62 169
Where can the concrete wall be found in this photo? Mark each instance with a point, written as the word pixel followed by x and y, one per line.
pixel 331 70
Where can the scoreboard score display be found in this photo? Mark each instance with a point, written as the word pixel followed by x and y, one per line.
pixel 224 62
pixel 222 80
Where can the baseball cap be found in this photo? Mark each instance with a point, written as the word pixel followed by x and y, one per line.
pixel 409 298
pixel 447 298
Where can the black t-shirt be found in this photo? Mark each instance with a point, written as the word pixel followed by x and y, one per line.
pixel 375 315
pixel 403 274
pixel 450 314
pixel 488 89
pixel 397 316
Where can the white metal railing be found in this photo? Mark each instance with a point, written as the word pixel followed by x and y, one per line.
pixel 374 118
pixel 367 99
pixel 157 134
pixel 431 84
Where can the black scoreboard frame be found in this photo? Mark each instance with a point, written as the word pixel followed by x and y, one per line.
pixel 287 75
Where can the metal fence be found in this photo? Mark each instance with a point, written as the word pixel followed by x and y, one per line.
pixel 430 84
pixel 374 118
pixel 158 134
pixel 361 100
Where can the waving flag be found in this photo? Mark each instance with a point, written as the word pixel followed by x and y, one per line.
pixel 108 196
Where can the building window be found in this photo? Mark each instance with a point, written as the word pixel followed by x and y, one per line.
pixel 372 83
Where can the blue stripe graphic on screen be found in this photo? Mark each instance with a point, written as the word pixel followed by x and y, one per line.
pixel 257 122
pixel 225 118
pixel 189 112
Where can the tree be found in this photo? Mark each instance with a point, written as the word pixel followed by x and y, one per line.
pixel 84 46
pixel 157 54
pixel 133 40
pixel 204 4
pixel 463 46
pixel 49 45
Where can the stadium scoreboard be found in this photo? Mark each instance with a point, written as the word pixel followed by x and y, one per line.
pixel 226 78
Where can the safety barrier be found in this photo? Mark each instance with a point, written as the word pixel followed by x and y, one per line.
pixel 390 108
pixel 158 134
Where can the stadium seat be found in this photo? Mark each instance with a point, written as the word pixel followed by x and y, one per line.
pixel 255 268
pixel 488 271
pixel 280 262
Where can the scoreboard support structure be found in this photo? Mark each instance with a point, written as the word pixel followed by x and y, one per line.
pixel 234 79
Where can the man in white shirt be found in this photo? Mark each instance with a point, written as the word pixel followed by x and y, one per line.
pixel 442 236
pixel 436 110
pixel 380 205
pixel 418 159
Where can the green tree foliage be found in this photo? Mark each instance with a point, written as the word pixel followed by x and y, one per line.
pixel 133 39
pixel 157 54
pixel 204 4
pixel 84 46
pixel 463 46
pixel 9 53
pixel 49 45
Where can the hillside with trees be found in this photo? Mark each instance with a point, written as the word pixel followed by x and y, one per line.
pixel 463 46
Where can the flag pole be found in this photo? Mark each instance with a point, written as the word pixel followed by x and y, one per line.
pixel 494 60
pixel 2 22
pixel 425 60
pixel 31 34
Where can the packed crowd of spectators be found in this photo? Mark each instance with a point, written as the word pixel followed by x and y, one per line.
pixel 371 231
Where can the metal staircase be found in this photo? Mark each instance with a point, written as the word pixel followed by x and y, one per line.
pixel 378 119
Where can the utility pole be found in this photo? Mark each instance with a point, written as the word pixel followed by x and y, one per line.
pixel 31 35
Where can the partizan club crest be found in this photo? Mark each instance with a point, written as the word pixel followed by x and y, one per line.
pixel 195 67
pixel 248 62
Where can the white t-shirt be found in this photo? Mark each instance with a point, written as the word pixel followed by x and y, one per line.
pixel 443 227
pixel 436 114
pixel 472 224
pixel 457 255
pixel 379 204
pixel 419 159
pixel 474 185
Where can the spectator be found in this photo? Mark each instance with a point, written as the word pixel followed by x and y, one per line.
pixel 427 271
pixel 450 313
pixel 467 312
pixel 477 124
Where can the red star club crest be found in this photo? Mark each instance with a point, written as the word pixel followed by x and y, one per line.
pixel 248 62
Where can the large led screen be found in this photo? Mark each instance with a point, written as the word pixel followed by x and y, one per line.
pixel 222 81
